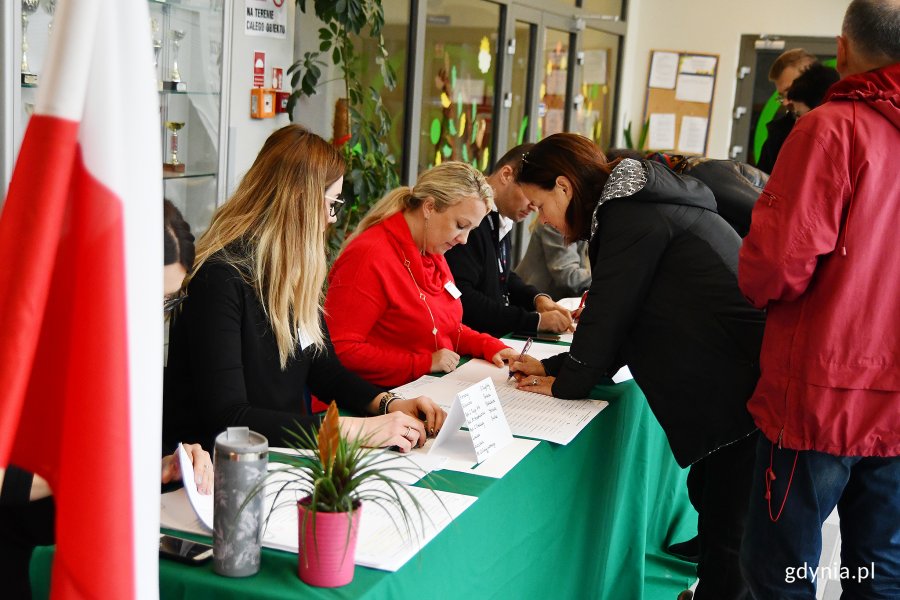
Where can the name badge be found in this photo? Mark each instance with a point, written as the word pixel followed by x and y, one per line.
pixel 452 290
pixel 303 339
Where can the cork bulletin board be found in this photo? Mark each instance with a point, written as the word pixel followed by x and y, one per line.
pixel 679 99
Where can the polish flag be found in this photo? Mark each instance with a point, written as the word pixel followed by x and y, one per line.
pixel 80 290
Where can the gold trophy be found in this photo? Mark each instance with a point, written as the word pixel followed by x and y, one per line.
pixel 29 7
pixel 174 165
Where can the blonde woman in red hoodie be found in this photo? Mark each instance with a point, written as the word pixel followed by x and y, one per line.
pixel 392 307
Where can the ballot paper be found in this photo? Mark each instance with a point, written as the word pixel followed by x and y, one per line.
pixel 542 351
pixel 381 544
pixel 202 504
pixel 528 414
pixel 478 408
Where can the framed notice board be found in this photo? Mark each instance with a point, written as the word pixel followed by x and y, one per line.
pixel 678 105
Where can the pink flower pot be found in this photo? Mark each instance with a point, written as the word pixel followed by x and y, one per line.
pixel 326 557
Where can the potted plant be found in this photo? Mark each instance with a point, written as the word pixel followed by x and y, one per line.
pixel 334 475
pixel 362 123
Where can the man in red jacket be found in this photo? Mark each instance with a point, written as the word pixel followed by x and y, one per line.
pixel 822 255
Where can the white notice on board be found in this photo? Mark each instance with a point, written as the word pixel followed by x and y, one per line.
pixel 692 137
pixel 694 88
pixel 698 65
pixel 663 70
pixel 594 68
pixel 662 131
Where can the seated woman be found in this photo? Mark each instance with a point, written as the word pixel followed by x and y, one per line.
pixel 392 307
pixel 248 341
pixel 552 265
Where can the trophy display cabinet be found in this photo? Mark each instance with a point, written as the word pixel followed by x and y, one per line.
pixel 191 44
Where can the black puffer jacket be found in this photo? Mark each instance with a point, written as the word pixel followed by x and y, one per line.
pixel 664 300
pixel 735 185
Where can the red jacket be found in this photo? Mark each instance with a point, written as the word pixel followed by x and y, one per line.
pixel 380 327
pixel 823 255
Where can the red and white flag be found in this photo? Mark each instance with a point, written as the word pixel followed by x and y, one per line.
pixel 80 288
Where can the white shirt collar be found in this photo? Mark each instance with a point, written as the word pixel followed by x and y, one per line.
pixel 506 226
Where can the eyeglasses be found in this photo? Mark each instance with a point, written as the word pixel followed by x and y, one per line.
pixel 173 301
pixel 335 205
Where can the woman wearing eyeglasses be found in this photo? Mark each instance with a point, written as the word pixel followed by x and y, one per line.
pixel 392 307
pixel 249 341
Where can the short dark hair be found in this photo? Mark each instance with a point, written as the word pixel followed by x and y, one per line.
pixel 874 27
pixel 178 241
pixel 513 157
pixel 612 153
pixel 579 160
pixel 812 84
pixel 789 58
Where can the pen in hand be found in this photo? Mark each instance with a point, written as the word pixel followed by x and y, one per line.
pixel 521 357
pixel 577 314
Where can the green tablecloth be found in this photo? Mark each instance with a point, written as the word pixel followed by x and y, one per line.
pixel 587 520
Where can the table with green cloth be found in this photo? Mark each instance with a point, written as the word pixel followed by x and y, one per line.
pixel 586 520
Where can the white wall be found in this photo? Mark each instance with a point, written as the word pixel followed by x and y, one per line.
pixel 246 135
pixel 712 26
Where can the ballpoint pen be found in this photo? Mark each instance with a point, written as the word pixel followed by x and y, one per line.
pixel 521 357
pixel 581 305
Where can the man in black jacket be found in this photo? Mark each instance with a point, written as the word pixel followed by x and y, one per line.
pixel 496 300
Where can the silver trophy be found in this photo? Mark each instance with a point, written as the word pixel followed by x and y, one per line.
pixel 177 35
pixel 29 7
pixel 157 46
pixel 50 8
pixel 175 84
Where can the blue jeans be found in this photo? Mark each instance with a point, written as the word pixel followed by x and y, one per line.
pixel 779 559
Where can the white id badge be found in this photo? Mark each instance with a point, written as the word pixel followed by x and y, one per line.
pixel 452 290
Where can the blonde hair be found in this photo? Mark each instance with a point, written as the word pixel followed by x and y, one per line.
pixel 447 184
pixel 795 57
pixel 272 229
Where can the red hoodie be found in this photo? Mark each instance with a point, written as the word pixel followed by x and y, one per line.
pixel 823 256
pixel 380 327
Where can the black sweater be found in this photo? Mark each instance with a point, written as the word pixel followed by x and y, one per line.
pixel 664 300
pixel 485 288
pixel 223 368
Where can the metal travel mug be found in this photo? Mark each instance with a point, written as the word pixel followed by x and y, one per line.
pixel 241 458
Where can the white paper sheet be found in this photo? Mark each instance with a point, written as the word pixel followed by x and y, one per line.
pixel 380 545
pixel 411 467
pixel 477 407
pixel 694 88
pixel 459 456
pixel 594 66
pixel 692 137
pixel 663 70
pixel 661 134
pixel 529 414
pixel 698 65
pixel 542 351
pixel 201 503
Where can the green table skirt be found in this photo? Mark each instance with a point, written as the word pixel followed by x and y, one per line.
pixel 587 520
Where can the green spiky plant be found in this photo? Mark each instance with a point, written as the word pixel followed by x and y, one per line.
pixel 332 472
pixel 371 168
pixel 642 138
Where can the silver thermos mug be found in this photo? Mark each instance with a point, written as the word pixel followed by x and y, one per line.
pixel 241 458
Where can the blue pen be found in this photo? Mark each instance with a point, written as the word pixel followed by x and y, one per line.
pixel 521 357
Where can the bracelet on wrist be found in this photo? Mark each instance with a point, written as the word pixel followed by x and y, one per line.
pixel 385 403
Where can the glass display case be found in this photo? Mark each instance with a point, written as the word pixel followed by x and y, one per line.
pixel 188 51
pixel 190 48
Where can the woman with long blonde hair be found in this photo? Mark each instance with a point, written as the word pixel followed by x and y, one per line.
pixel 392 307
pixel 249 344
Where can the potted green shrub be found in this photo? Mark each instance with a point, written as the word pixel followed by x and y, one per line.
pixel 335 475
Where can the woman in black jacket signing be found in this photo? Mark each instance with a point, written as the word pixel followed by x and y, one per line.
pixel 664 300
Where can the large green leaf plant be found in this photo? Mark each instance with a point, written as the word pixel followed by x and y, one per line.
pixel 371 168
